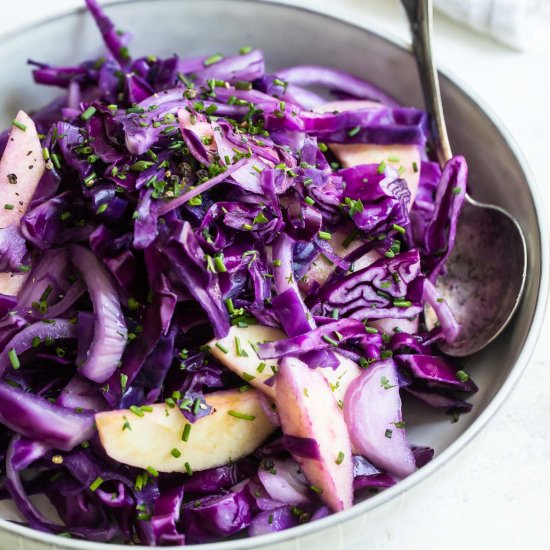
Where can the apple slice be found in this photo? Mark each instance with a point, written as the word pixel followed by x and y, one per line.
pixel 236 352
pixel 396 155
pixel 236 427
pixel 246 366
pixel 307 409
pixel 21 168
pixel 321 268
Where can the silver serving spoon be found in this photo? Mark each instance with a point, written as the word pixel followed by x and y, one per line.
pixel 486 271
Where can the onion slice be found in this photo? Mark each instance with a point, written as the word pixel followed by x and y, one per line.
pixel 372 410
pixel 110 332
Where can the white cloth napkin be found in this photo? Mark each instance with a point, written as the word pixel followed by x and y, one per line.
pixel 517 23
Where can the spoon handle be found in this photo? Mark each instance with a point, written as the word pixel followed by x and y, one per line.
pixel 419 13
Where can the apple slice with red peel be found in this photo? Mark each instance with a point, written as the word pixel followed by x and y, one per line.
pixel 307 409
pixel 236 427
pixel 396 155
pixel 246 364
pixel 21 168
pixel 372 409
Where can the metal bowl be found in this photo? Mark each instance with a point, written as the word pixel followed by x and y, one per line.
pixel 289 36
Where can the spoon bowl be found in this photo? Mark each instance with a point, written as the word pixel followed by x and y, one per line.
pixel 485 273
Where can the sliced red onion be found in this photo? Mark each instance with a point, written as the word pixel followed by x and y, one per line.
pixel 372 409
pixel 80 393
pixel 55 329
pixel 315 75
pixel 272 521
pixel 447 321
pixel 110 332
pixel 284 482
pixel 39 419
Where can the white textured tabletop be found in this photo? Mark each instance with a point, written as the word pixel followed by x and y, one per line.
pixel 494 494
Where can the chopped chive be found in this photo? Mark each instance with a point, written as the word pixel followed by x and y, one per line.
pixel 36 341
pixel 188 469
pixel 242 85
pixel 144 517
pixel 371 330
pixel 415 167
pixel 240 415
pixel 88 113
pixel 388 433
pixel 95 485
pixel 238 347
pixel 218 262
pixel 456 190
pixel 261 367
pixel 248 377
pixel 402 303
pixel 398 228
pixel 170 402
pixel 340 458
pixel 393 158
pixel 325 235
pixel 46 154
pixel 322 147
pixel 386 354
pixel 309 201
pixel 462 376
pixel 126 424
pixel 354 131
pixel 137 411
pixel 102 208
pixel 9 207
pixel 196 406
pixel 176 453
pixel 316 489
pixel 19 125
pixel 146 408
pixel 56 161
pixel 212 59
pixel 229 305
pixel 186 432
pixel 330 341
pixel 123 382
pixel 152 471
pixel 14 360
pixel 245 49
pixel 221 347
pixel 381 167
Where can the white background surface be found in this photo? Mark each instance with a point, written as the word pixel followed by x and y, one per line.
pixel 495 494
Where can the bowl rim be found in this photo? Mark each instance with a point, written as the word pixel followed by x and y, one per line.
pixel 350 17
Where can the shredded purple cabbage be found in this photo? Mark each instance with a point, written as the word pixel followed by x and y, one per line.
pixel 183 198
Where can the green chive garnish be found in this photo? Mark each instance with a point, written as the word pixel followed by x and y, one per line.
pixel 188 469
pixel 261 367
pixel 402 303
pixel 340 458
pixel 19 125
pixel 242 85
pixel 415 167
pixel 248 377
pixel 354 131
pixel 218 262
pixel 88 113
pixel 176 453
pixel 381 167
pixel 212 59
pixel 12 354
pixel 137 411
pixel 325 235
pixel 398 228
pixel 322 147
pixel 152 471
pixel 316 489
pixel 95 485
pixel 245 49
pixel 221 347
pixel 462 376
pixel 186 432
pixel 9 207
pixel 330 341
pixel 242 416
pixel 309 201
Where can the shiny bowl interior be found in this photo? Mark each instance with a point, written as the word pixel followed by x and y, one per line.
pixel 289 36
